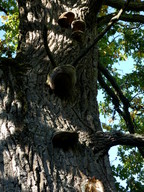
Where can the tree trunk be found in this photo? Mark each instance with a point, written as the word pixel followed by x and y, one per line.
pixel 32 115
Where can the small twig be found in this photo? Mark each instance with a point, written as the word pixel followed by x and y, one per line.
pixel 134 96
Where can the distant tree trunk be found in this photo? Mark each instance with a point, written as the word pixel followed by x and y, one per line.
pixel 31 113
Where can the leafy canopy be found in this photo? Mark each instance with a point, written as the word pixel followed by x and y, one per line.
pixel 9 25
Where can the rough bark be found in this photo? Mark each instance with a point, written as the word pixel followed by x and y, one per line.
pixel 103 141
pixel 31 113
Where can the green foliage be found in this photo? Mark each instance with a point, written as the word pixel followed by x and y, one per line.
pixel 122 41
pixel 131 170
pixel 10 6
pixel 10 23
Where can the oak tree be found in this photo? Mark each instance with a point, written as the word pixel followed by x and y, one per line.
pixel 51 135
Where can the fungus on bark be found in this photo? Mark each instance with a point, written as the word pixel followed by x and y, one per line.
pixel 78 28
pixel 66 19
pixel 62 80
pixel 65 139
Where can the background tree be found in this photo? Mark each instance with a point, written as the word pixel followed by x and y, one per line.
pixel 51 136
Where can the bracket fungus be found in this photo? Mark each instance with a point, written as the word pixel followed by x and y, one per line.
pixel 65 139
pixel 62 80
pixel 78 28
pixel 66 19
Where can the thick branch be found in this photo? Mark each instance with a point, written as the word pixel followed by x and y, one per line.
pixel 125 17
pixel 107 140
pixel 118 138
pixel 115 100
pixel 133 6
pixel 111 79
pixel 110 92
pixel 132 18
pixel 123 99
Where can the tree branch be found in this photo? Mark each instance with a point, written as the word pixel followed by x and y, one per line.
pixel 110 92
pixel 123 99
pixel 125 17
pixel 111 79
pixel 119 138
pixel 115 100
pixel 100 36
pixel 107 140
pixel 133 6
pixel 132 18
